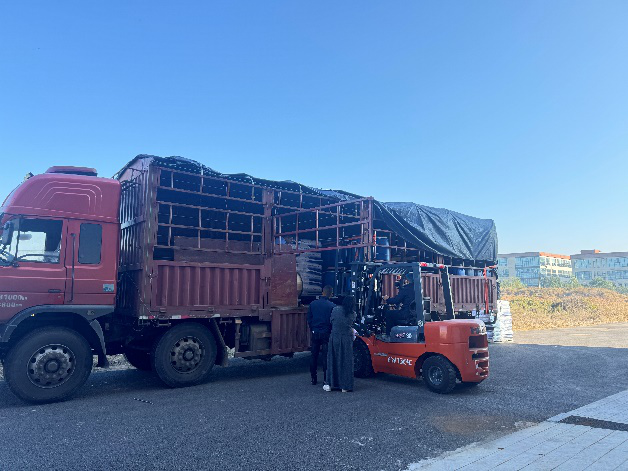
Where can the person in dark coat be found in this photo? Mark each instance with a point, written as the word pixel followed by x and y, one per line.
pixel 318 319
pixel 405 299
pixel 340 350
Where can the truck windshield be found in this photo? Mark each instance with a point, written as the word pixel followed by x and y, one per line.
pixel 35 240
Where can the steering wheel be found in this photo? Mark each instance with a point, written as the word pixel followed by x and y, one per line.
pixel 21 257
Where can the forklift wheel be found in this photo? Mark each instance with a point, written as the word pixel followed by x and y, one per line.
pixel 439 374
pixel 362 365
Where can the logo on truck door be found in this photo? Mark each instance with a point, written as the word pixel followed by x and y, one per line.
pixel 107 288
pixel 12 300
pixel 400 361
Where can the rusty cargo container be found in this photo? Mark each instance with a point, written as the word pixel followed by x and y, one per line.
pixel 470 293
pixel 197 246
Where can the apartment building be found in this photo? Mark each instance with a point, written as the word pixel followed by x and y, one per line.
pixel 610 266
pixel 534 268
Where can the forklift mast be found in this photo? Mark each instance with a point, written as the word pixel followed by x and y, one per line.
pixel 366 287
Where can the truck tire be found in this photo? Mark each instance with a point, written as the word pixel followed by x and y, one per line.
pixel 184 355
pixel 362 364
pixel 139 359
pixel 49 364
pixel 439 374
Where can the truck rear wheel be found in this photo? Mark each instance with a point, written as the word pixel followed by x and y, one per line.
pixel 439 374
pixel 49 364
pixel 362 364
pixel 184 355
pixel 139 359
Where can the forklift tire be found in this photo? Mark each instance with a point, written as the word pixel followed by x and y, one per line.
pixel 362 364
pixel 439 374
pixel 184 355
pixel 139 359
pixel 48 365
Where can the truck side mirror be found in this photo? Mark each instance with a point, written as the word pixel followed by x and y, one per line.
pixel 7 233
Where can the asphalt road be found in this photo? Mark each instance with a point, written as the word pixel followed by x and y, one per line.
pixel 265 415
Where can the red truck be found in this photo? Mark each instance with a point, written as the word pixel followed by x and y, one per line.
pixel 174 265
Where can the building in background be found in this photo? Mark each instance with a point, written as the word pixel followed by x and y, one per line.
pixel 610 266
pixel 534 268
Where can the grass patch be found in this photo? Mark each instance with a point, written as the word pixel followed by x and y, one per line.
pixel 551 308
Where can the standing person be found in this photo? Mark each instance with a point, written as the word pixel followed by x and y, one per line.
pixel 340 350
pixel 318 319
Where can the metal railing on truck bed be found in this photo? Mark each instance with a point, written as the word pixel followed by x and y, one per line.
pixel 201 246
pixel 181 230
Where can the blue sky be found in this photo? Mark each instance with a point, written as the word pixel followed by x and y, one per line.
pixel 515 111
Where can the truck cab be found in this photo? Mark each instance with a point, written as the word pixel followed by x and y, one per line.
pixel 59 244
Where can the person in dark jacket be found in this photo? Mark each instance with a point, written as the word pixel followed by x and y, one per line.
pixel 405 301
pixel 340 350
pixel 318 319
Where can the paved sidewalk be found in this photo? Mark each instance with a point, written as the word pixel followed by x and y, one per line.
pixel 593 437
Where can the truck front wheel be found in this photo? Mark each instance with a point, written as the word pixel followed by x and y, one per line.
pixel 49 364
pixel 184 355
pixel 439 374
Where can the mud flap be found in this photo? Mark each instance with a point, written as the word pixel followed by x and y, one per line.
pixel 222 357
pixel 103 362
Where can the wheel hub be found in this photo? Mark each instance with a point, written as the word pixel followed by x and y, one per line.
pixel 186 354
pixel 51 366
pixel 436 375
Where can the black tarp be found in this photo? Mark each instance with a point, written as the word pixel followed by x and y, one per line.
pixel 443 231
pixel 437 230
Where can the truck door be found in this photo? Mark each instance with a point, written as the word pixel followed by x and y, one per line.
pixel 36 274
pixel 91 262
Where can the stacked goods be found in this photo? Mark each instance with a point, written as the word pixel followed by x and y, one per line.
pixel 502 330
pixel 488 318
pixel 484 316
pixel 310 267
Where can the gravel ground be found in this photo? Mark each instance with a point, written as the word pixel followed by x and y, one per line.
pixel 606 335
pixel 265 415
pixel 555 308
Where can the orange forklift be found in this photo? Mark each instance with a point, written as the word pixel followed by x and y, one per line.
pixel 442 350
